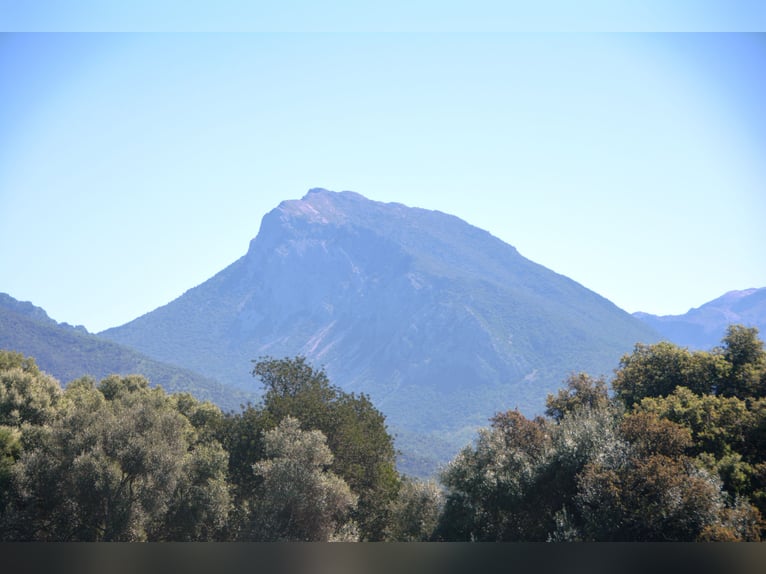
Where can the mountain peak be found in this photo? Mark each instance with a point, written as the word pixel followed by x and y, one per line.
pixel 322 191
pixel 438 321
pixel 319 205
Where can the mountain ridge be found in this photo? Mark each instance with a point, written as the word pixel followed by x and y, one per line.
pixel 67 353
pixel 440 322
pixel 703 327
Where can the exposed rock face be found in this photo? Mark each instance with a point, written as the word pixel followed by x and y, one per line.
pixel 441 323
pixel 703 327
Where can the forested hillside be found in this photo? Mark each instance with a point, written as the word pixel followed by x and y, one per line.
pixel 68 352
pixel 677 451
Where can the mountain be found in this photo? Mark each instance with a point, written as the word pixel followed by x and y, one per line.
pixel 703 327
pixel 440 322
pixel 68 353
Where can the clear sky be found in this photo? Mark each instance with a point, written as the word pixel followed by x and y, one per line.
pixel 135 166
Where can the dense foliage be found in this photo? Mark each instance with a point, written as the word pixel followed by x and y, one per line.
pixel 677 453
pixel 354 431
pixel 674 451
pixel 120 461
pixel 116 461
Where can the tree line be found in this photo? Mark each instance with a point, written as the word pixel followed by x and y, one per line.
pixel 676 452
pixel 672 448
pixel 117 460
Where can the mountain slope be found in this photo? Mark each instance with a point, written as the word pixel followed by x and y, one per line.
pixel 68 353
pixel 704 327
pixel 440 322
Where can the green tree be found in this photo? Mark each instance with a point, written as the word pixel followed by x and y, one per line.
pixel 356 432
pixel 653 491
pixel 677 455
pixel 656 371
pixel 718 425
pixel 28 401
pixel 581 391
pixel 490 486
pixel 202 502
pixel 519 480
pixel 242 437
pixel 10 451
pixel 648 434
pixel 414 514
pixel 27 395
pixel 301 499
pixel 743 351
pixel 727 437
pixel 648 498
pixel 110 465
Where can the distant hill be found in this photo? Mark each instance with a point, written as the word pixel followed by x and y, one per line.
pixel 68 353
pixel 704 327
pixel 440 322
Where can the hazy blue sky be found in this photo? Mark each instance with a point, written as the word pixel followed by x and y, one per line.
pixel 392 15
pixel 135 166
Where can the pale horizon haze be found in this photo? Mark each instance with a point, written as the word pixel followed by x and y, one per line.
pixel 135 166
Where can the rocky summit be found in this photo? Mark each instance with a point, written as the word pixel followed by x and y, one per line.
pixel 440 322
